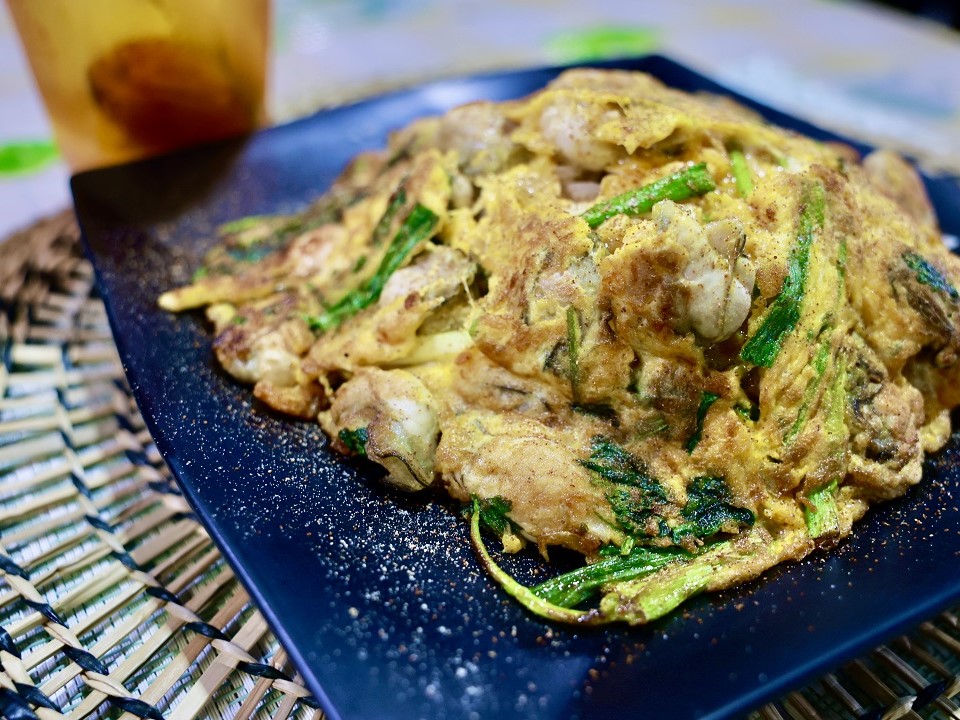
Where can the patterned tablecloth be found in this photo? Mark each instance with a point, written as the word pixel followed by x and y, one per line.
pixel 885 77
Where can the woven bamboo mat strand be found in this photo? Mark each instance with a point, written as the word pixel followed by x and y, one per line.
pixel 114 602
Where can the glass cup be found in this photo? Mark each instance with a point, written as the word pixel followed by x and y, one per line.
pixel 123 79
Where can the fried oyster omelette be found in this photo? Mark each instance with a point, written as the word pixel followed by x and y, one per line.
pixel 640 324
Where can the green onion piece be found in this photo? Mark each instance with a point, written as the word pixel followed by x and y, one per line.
pixel 682 185
pixel 809 392
pixel 573 350
pixel 246 223
pixel 715 565
pixel 493 512
pixel 763 348
pixel 669 593
pixel 710 509
pixel 524 595
pixel 417 227
pixel 572 588
pixel 382 230
pixel 355 440
pixel 706 400
pixel 820 512
pixel 741 172
pixel 927 274
pixel 255 236
pixel 617 466
pixel 634 495
pixel 747 412
pixel 624 598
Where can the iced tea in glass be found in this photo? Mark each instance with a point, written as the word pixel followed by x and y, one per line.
pixel 123 79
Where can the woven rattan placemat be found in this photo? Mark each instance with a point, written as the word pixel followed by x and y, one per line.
pixel 114 602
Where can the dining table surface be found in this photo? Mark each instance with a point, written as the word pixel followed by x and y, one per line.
pixel 860 70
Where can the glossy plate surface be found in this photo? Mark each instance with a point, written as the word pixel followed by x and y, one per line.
pixel 377 596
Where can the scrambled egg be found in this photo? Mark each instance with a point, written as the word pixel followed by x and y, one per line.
pixel 615 317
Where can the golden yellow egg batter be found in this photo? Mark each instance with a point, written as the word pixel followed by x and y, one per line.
pixel 612 316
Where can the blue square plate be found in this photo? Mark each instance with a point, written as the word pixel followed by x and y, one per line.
pixel 378 597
